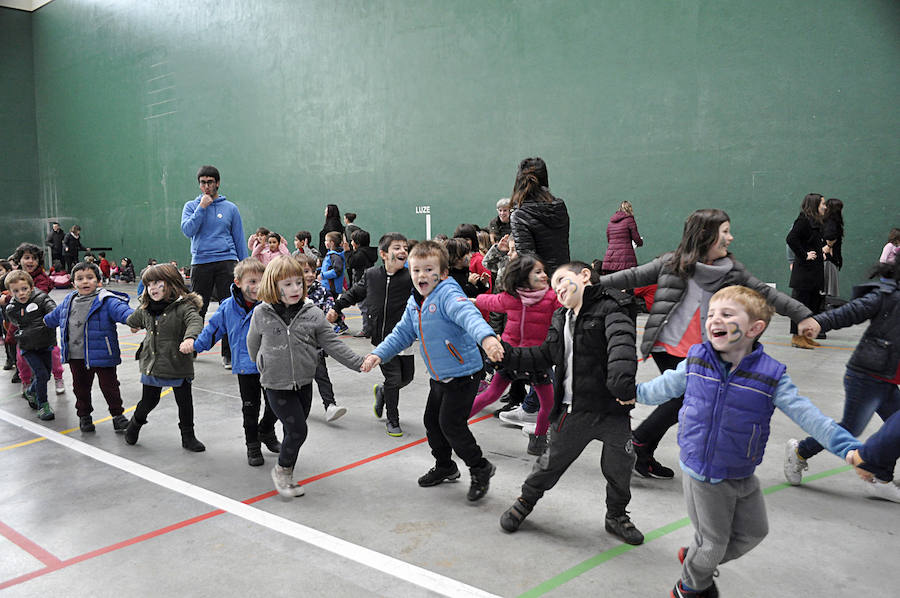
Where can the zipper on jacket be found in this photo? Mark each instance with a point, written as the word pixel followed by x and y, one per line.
pixel 522 325
pixel 387 289
pixel 453 351
pixel 425 349
pixel 108 347
pixel 750 444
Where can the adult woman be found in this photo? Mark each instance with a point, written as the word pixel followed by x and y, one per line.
pixel 687 278
pixel 620 233
pixel 833 233
pixel 539 221
pixel 71 246
pixel 332 223
pixel 808 274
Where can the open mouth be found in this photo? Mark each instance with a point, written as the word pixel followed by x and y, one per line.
pixel 718 333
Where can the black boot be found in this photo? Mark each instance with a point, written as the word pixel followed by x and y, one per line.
pixel 269 439
pixel 189 441
pixel 481 480
pixel 132 431
pixel 254 454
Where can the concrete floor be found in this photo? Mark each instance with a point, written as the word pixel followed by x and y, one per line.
pixel 87 515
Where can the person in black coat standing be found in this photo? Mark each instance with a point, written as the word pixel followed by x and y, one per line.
pixel 55 241
pixel 71 246
pixel 332 223
pixel 808 274
pixel 539 221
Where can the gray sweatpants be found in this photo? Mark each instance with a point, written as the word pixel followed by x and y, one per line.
pixel 729 520
pixel 567 438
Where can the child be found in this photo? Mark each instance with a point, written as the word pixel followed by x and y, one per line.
pixel 460 253
pixel 8 345
pixel 114 271
pixel 876 459
pixel 385 290
pixel 359 260
pixel 731 388
pixel 317 294
pixel 266 251
pixel 233 318
pixel 26 311
pixel 301 242
pixel 873 372
pixel 285 334
pixel 448 327
pixel 892 248
pixel 171 315
pixel 126 270
pixel 104 266
pixel 591 342
pixel 87 320
pixel 529 303
pixel 59 277
pixel 333 268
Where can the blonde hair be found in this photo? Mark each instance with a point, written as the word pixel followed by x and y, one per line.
pixel 334 236
pixel 484 241
pixel 625 206
pixel 250 265
pixel 283 266
pixel 167 273
pixel 752 301
pixel 19 276
pixel 427 249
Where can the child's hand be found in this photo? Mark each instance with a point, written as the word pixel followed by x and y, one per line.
pixel 809 328
pixel 855 460
pixel 370 362
pixel 503 244
pixel 474 278
pixel 493 347
pixel 186 346
pixel 332 316
pixel 472 299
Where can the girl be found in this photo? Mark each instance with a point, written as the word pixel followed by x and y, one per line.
pixel 475 255
pixel 808 274
pixel 284 336
pixel 126 270
pixel 833 233
pixel 171 315
pixel 539 221
pixel 274 246
pixel 71 246
pixel 472 283
pixel 686 279
pixel 529 303
pixel 621 232
pixel 892 249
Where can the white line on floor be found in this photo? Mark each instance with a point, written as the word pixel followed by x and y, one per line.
pixel 382 563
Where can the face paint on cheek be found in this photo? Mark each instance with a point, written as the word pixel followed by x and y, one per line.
pixel 734 333
pixel 435 278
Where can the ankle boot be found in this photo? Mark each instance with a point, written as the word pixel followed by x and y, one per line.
pixel 189 441
pixel 284 482
pixel 481 480
pixel 269 439
pixel 254 454
pixel 132 431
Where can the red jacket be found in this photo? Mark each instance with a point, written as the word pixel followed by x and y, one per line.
pixel 527 319
pixel 620 232
pixel 104 267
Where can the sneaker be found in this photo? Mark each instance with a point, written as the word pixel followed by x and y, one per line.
pixel 16 379
pixel 393 428
pixel 883 490
pixel 45 412
pixel 518 417
pixel 651 468
pixel 86 424
pixel 438 475
pixel 29 396
pixel 529 429
pixel 622 527
pixel 513 517
pixel 120 422
pixel 270 440
pixel 60 386
pixel 481 480
pixel 794 464
pixel 506 407
pixel 378 407
pixel 333 412
pixel 341 328
pixel 284 482
pixel 537 445
pixel 254 454
pixel 679 592
pixel 226 362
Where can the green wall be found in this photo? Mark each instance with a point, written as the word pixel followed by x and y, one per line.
pixel 382 106
pixel 20 213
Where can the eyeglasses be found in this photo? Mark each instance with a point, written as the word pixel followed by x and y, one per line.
pixel 208 182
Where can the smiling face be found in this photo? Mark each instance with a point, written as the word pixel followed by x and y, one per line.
pixel 86 282
pixel 29 262
pixel 719 249
pixel 426 273
pixel 728 327
pixel 537 278
pixel 249 285
pixel 290 290
pixel 569 286
pixel 21 290
pixel 273 244
pixel 503 213
pixel 309 275
pixel 157 290
pixel 395 257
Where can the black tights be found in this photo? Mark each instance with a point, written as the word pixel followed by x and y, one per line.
pixel 292 408
pixel 150 399
pixel 652 429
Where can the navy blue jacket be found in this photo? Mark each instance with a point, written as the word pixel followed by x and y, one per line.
pixel 101 340
pixel 232 318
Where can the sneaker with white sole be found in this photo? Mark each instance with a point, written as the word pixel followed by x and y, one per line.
pixel 283 477
pixel 528 429
pixel 794 464
pixel 60 386
pixel 883 490
pixel 518 417
pixel 334 411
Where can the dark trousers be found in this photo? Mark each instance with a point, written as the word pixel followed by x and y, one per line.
pixel 69 262
pixel 213 280
pixel 446 421
pixel 566 440
pixel 183 398
pixel 882 449
pixel 41 362
pixel 323 382
pixel 252 396
pixel 292 408
pixel 652 429
pixel 83 380
pixel 811 298
pixel 398 372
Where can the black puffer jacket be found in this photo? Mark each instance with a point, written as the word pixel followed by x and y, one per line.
pixel 32 333
pixel 672 287
pixel 604 361
pixel 542 228
pixel 385 298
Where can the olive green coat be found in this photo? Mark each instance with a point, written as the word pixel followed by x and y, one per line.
pixel 159 355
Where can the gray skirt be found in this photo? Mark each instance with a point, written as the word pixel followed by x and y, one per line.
pixel 832 286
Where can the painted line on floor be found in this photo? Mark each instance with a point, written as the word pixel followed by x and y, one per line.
pixel 608 555
pixel 385 564
pixel 28 546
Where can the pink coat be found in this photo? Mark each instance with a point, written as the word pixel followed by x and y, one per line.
pixel 527 318
pixel 261 251
pixel 620 232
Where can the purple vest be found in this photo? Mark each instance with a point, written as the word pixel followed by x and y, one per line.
pixel 724 422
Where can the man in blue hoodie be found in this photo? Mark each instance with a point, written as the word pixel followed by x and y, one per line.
pixel 214 226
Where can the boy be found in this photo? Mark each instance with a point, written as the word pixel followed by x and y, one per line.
pixel 333 268
pixel 301 242
pixel 359 260
pixel 87 321
pixel 26 311
pixel 591 343
pixel 233 318
pixel 731 387
pixel 448 326
pixel 317 293
pixel 385 291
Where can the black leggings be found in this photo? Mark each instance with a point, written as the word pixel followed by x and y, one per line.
pixel 292 408
pixel 252 396
pixel 150 399
pixel 652 429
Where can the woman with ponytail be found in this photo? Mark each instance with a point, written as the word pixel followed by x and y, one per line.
pixel 539 221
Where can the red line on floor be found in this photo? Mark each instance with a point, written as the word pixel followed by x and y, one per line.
pixel 27 545
pixel 57 564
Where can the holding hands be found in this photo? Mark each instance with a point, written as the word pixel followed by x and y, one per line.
pixel 855 460
pixel 809 328
pixel 370 362
pixel 493 347
pixel 186 346
pixel 332 316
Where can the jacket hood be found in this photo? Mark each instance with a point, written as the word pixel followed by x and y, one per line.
pixel 553 214
pixel 620 216
pixel 194 298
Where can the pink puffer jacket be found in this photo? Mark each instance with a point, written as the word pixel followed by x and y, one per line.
pixel 620 232
pixel 527 317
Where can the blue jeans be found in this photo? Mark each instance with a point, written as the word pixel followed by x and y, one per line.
pixel 864 396
pixel 40 361
pixel 882 449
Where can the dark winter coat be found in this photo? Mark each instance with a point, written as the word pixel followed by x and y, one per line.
pixel 332 224
pixel 542 228
pixel 72 245
pixel 360 260
pixel 803 237
pixel 101 340
pixel 55 241
pixel 620 232
pixel 28 317
pixel 159 355
pixel 385 297
pixel 498 228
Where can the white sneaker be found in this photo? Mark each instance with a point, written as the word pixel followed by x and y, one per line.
pixel 528 429
pixel 333 412
pixel 518 417
pixel 794 464
pixel 284 482
pixel 60 386
pixel 883 490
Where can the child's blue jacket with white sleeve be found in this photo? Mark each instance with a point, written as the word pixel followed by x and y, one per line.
pixel 449 327
pixel 101 339
pixel 234 319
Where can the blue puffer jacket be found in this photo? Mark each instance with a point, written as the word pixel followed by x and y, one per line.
pixel 232 318
pixel 101 340
pixel 448 326
pixel 724 422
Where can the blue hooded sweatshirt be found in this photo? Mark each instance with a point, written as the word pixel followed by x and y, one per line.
pixel 216 232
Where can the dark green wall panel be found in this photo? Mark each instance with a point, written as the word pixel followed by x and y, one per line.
pixel 381 106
